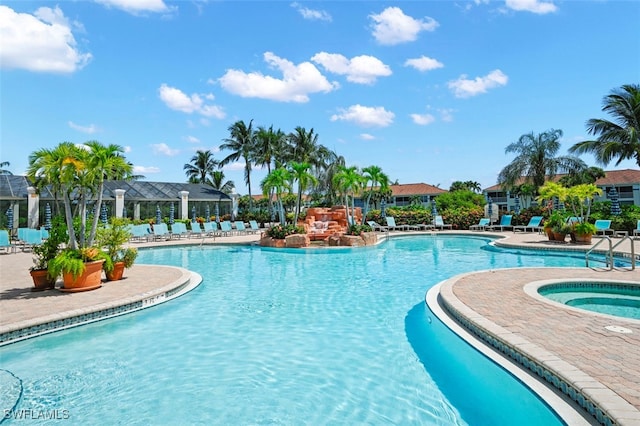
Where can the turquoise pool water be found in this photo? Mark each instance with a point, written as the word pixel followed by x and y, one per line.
pixel 604 298
pixel 286 337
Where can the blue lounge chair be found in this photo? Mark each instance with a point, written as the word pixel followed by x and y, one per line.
pixel 534 225
pixel 505 222
pixel 5 244
pixel 140 233
pixel 636 232
pixel 179 230
pixel 196 230
pixel 161 232
pixel 377 227
pixel 391 224
pixel 225 228
pixel 481 225
pixel 438 222
pixel 255 228
pixel 240 228
pixel 211 229
pixel 603 226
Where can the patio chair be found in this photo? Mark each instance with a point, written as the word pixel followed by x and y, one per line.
pixel 481 225
pixel 636 232
pixel 161 232
pixel 225 228
pixel 255 228
pixel 196 230
pixel 438 222
pixel 5 243
pixel 603 226
pixel 505 222
pixel 179 230
pixel 211 229
pixel 376 227
pixel 534 225
pixel 391 224
pixel 240 228
pixel 139 233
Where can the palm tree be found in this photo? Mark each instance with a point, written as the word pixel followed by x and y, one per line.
pixel 241 143
pixel 4 171
pixel 349 181
pixel 589 175
pixel 304 148
pixel 536 160
pixel 299 172
pixel 619 138
pixel 277 180
pixel 200 167
pixel 269 150
pixel 217 181
pixel 326 183
pixel 377 178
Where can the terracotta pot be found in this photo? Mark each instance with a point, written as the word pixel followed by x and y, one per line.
pixel 41 280
pixel 90 279
pixel 557 236
pixel 549 233
pixel 116 273
pixel 583 238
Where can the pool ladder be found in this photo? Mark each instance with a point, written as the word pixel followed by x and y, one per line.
pixel 611 249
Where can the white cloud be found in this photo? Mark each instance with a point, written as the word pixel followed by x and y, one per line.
pixel 365 116
pixel 465 88
pixel 192 139
pixel 392 26
pixel 423 119
pixel 297 83
pixel 534 6
pixel 164 149
pixel 362 69
pixel 367 137
pixel 126 149
pixel 311 14
pixel 42 42
pixel 423 63
pixel 234 167
pixel 177 100
pixel 90 129
pixel 137 6
pixel 446 114
pixel 145 169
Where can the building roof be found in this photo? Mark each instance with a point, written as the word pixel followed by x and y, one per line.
pixel 13 187
pixel 612 178
pixel 408 189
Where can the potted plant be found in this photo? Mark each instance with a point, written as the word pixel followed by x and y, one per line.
pixel 580 197
pixel 560 231
pixel 112 238
pixel 554 224
pixel 81 269
pixel 45 252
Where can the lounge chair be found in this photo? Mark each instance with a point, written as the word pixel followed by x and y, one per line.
pixel 391 224
pixel 5 243
pixel 225 228
pixel 161 232
pixel 505 222
pixel 196 230
pixel 211 229
pixel 179 230
pixel 603 226
pixel 140 232
pixel 481 225
pixel 240 228
pixel 438 222
pixel 376 227
pixel 255 228
pixel 636 232
pixel 534 225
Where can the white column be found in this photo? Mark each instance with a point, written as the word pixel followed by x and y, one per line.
pixel 119 201
pixel 234 204
pixel 136 211
pixel 33 208
pixel 184 205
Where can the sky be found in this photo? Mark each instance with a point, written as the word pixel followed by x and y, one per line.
pixel 430 91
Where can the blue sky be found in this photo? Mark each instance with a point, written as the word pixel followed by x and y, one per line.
pixel 431 91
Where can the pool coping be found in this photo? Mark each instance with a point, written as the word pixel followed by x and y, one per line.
pixel 595 398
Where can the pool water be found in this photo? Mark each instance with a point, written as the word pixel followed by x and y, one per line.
pixel 286 337
pixel 617 300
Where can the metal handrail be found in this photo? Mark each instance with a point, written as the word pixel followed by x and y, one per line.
pixel 610 261
pixel 633 252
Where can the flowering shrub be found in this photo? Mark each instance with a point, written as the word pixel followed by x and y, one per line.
pixel 279 232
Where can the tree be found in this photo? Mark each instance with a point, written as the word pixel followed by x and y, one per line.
pixel 589 175
pixel 269 150
pixel 217 181
pixel 350 182
pixel 200 167
pixel 299 172
pixel 4 171
pixel 537 160
pixel 379 183
pixel 619 138
pixel 241 143
pixel 277 180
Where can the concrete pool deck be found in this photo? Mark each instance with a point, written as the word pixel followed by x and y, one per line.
pixel 573 345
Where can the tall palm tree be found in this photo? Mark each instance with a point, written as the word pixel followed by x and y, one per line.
pixel 4 171
pixel 218 182
pixel 299 172
pixel 269 150
pixel 379 183
pixel 200 166
pixel 536 160
pixel 350 182
pixel 277 180
pixel 619 138
pixel 241 143
pixel 304 148
pixel 326 184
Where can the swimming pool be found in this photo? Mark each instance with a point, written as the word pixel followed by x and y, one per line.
pixel 617 299
pixel 335 336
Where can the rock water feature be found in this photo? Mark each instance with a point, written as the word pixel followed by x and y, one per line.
pixel 326 225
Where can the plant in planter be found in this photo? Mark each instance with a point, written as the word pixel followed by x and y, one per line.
pixel 580 197
pixel 113 238
pixel 81 268
pixel 554 224
pixel 45 252
pixel 77 174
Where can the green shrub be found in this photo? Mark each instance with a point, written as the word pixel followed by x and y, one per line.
pixel 279 232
